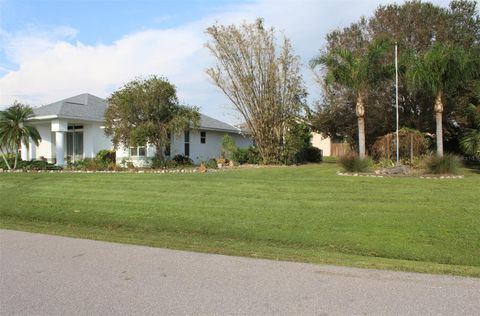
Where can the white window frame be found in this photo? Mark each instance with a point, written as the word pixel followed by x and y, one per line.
pixel 137 151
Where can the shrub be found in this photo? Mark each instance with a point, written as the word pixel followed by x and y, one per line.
pixel 211 164
pixel 309 154
pixel 89 164
pixel 182 160
pixel 353 163
pixel 163 164
pixel 246 155
pixel 106 156
pixel 448 164
pixel 228 146
pixel 37 165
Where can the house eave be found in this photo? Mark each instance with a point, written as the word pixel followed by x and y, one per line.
pixel 50 117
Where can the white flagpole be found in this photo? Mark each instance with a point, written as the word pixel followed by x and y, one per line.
pixel 396 96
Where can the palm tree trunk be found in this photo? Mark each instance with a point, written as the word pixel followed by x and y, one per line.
pixel 360 111
pixel 438 118
pixel 6 161
pixel 16 155
pixel 361 136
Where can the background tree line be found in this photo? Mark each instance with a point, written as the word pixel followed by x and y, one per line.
pixel 439 62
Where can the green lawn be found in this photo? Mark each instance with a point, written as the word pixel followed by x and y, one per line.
pixel 303 213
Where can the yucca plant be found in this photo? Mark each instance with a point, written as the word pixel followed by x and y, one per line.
pixel 14 131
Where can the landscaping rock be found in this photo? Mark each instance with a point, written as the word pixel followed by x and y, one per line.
pixel 397 170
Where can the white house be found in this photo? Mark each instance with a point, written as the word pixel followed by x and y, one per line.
pixel 73 129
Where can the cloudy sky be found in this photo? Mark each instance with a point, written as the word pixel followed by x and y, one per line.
pixel 50 50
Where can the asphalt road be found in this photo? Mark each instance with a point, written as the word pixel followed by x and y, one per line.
pixel 49 275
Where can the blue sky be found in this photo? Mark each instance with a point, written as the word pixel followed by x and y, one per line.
pixel 51 50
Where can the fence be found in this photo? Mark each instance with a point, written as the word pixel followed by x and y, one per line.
pixel 340 149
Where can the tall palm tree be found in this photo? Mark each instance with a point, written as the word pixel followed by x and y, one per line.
pixel 14 131
pixel 357 72
pixel 438 70
pixel 470 141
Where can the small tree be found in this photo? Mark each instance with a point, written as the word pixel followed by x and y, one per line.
pixel 262 79
pixel 440 69
pixel 14 131
pixel 357 71
pixel 145 111
pixel 228 146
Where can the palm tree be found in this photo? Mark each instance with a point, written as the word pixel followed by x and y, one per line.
pixel 14 131
pixel 439 69
pixel 357 72
pixel 470 142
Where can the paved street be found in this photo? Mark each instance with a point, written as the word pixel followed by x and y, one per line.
pixel 52 275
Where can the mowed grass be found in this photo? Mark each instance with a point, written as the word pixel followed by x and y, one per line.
pixel 305 213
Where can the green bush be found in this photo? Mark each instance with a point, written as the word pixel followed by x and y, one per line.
pixel 37 165
pixel 211 164
pixel 353 163
pixel 106 156
pixel 249 155
pixel 309 154
pixel 448 164
pixel 29 164
pixel 89 164
pixel 163 164
pixel 182 160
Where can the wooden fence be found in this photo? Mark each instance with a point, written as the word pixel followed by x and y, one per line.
pixel 340 149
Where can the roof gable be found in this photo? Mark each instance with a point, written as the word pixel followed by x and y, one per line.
pixel 83 106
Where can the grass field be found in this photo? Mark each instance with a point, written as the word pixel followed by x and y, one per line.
pixel 305 213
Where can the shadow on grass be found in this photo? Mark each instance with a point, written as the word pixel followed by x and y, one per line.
pixel 473 167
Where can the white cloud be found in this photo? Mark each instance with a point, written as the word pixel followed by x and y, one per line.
pixel 53 65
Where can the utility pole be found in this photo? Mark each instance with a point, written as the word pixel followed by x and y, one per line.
pixel 396 97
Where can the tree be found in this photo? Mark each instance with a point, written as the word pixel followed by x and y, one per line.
pixel 442 68
pixel 356 72
pixel 262 80
pixel 145 111
pixel 416 26
pixel 470 141
pixel 14 130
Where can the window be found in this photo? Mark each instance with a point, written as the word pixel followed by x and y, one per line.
pixel 203 137
pixel 187 143
pixel 75 127
pixel 139 151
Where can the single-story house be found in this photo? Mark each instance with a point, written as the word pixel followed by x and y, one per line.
pixel 73 129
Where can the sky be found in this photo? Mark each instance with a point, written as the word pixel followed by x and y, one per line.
pixel 51 50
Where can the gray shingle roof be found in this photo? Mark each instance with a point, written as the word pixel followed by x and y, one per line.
pixel 207 122
pixel 83 106
pixel 91 108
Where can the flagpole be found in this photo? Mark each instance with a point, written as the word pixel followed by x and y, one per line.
pixel 396 97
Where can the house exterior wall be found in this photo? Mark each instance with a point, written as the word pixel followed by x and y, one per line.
pixel 198 152
pixel 323 143
pixel 94 139
pixel 44 149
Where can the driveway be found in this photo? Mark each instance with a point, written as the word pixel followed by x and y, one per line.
pixel 50 275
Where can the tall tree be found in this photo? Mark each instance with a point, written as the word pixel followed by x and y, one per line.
pixel 356 72
pixel 416 26
pixel 440 69
pixel 14 130
pixel 262 80
pixel 145 111
pixel 470 141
